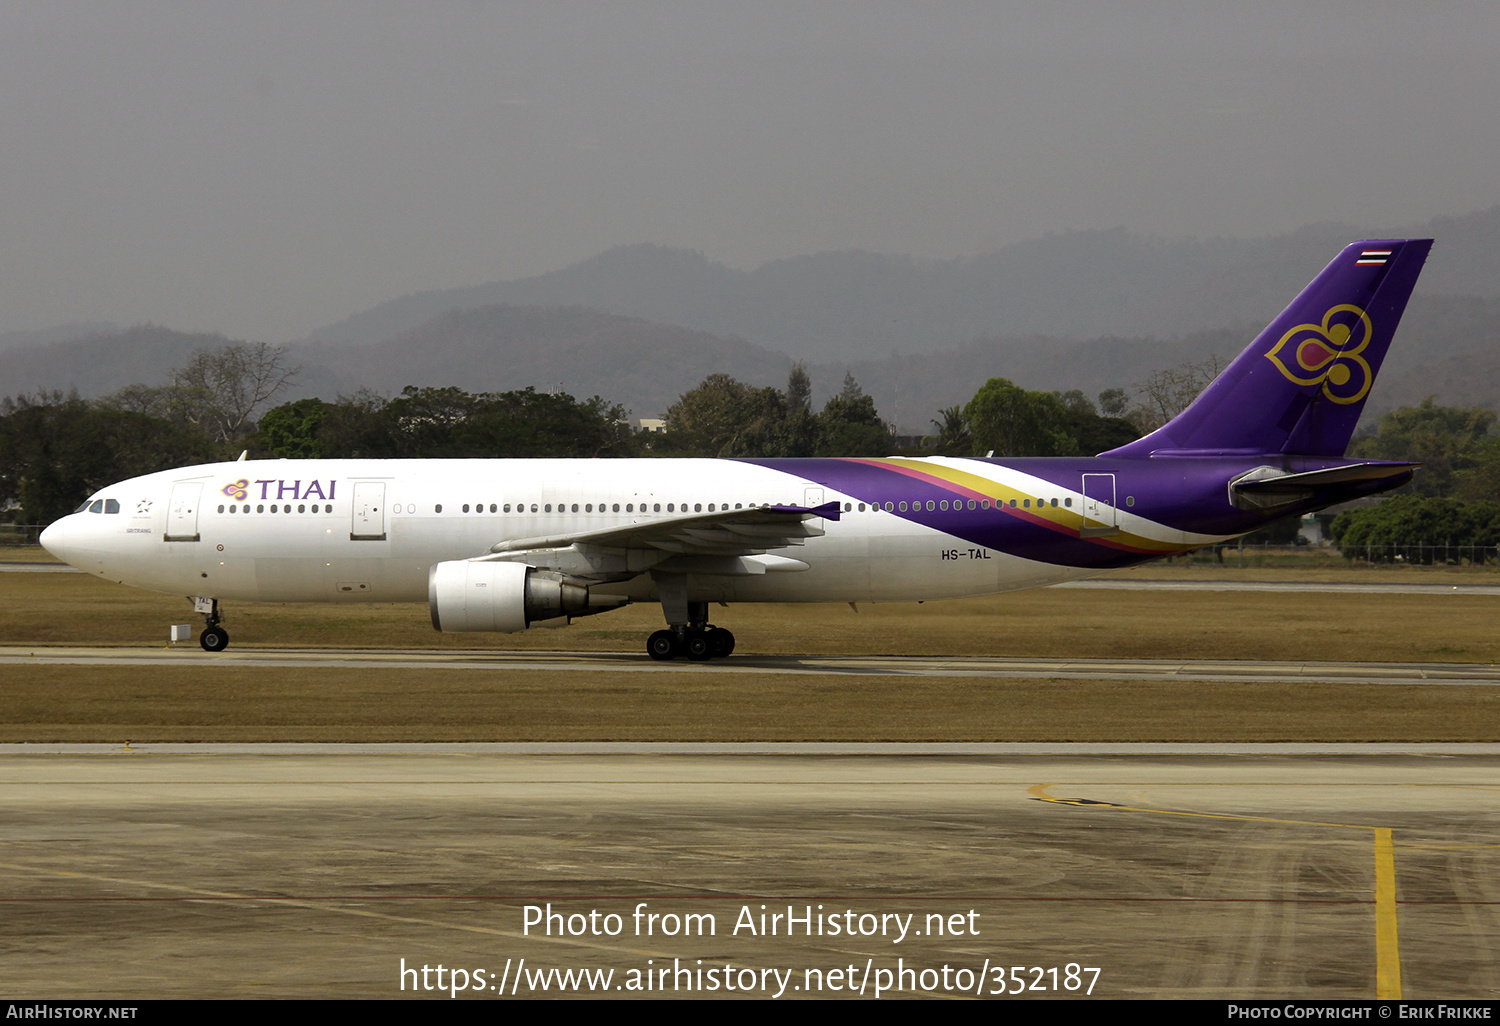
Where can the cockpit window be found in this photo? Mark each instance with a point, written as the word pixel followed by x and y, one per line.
pixel 97 506
pixel 111 506
pixel 82 506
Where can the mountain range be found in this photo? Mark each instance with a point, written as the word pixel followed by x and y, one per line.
pixel 641 324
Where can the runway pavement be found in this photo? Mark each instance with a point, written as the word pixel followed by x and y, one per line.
pixel 1252 872
pixel 1223 671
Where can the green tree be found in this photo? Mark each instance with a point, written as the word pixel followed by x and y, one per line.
pixel 1013 421
pixel 849 426
pixel 56 450
pixel 1479 480
pixel 1446 440
pixel 953 433
pixel 1091 432
pixel 291 430
pixel 725 417
pixel 1114 402
pixel 1400 523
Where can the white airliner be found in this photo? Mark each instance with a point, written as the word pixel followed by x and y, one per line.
pixel 504 545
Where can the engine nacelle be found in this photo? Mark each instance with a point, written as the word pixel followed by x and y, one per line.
pixel 468 596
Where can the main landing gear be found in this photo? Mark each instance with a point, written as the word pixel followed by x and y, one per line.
pixel 214 638
pixel 699 643
pixel 688 631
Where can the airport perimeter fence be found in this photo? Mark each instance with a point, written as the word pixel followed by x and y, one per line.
pixel 1274 555
pixel 19 535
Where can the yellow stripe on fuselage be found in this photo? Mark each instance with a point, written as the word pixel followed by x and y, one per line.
pixel 1064 518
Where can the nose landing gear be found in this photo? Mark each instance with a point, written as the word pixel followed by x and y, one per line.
pixel 214 638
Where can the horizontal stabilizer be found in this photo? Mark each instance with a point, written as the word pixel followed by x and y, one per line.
pixel 1266 487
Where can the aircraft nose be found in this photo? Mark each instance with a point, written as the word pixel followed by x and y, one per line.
pixel 52 537
pixel 61 539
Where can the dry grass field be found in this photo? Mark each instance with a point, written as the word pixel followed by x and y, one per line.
pixel 680 702
pixel 135 704
pixel 68 609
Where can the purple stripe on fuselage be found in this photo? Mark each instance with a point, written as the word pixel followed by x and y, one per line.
pixel 1186 494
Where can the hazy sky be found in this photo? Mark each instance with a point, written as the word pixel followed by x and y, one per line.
pixel 263 168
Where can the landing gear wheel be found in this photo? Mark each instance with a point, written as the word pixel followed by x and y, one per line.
pixel 662 646
pixel 214 639
pixel 698 647
pixel 720 642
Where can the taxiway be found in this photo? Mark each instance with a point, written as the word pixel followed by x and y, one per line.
pixel 1253 872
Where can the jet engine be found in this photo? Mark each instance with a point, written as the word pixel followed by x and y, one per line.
pixel 467 596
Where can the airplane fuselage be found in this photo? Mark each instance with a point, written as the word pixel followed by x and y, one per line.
pixel 907 529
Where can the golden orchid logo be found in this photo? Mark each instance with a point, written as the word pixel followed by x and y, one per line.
pixel 237 490
pixel 1328 354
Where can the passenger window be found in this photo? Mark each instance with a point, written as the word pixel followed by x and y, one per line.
pixel 931 505
pixel 221 509
pixel 262 508
pixel 903 507
pixel 438 508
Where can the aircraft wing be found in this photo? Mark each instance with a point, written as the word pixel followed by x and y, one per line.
pixel 726 542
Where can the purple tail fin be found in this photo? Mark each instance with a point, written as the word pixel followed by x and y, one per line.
pixel 1300 386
